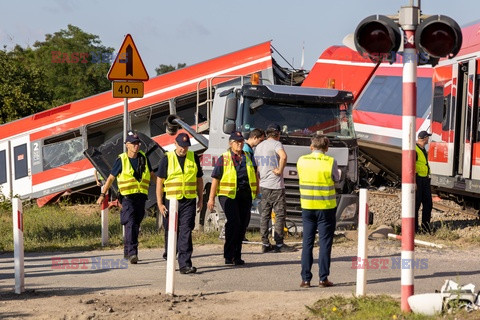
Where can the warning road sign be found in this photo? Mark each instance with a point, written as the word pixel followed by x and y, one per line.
pixel 128 65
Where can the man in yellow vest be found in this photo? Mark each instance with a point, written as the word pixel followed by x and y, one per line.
pixel 133 173
pixel 234 180
pixel 180 176
pixel 317 173
pixel 423 193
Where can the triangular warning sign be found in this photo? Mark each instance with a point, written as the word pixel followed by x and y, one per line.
pixel 128 65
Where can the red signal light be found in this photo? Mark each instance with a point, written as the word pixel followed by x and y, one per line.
pixel 439 37
pixel 377 37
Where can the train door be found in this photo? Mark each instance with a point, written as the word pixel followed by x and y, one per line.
pixel 21 172
pixel 465 118
pixel 469 119
pixel 5 177
pixel 476 132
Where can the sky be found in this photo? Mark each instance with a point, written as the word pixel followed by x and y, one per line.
pixel 192 31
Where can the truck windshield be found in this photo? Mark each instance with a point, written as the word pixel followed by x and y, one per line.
pixel 334 120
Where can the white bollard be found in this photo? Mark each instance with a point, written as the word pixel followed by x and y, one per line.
pixel 362 255
pixel 105 221
pixel 17 211
pixel 171 246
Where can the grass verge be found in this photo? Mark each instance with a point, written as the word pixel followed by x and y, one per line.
pixel 373 307
pixel 71 228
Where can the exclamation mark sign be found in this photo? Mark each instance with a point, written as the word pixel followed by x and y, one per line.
pixel 129 70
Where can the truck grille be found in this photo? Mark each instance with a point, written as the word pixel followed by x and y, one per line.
pixel 292 195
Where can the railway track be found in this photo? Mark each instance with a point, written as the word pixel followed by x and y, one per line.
pixel 440 207
pixel 446 208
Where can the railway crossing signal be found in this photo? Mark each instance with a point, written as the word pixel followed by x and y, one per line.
pixel 426 40
pixel 378 38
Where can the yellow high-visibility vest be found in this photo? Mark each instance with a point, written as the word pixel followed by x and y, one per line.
pixel 317 188
pixel 421 165
pixel 180 183
pixel 228 183
pixel 127 184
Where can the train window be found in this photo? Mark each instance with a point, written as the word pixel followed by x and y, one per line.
pixel 384 95
pixel 20 161
pixel 59 151
pixel 3 166
pixel 157 123
pixel 187 113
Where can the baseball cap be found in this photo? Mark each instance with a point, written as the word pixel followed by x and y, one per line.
pixel 183 140
pixel 132 137
pixel 423 134
pixel 237 136
pixel 273 127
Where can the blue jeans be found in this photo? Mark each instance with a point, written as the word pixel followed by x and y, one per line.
pixel 324 221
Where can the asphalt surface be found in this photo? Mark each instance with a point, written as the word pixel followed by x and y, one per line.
pixel 105 270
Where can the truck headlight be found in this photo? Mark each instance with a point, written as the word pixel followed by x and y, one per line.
pixel 349 212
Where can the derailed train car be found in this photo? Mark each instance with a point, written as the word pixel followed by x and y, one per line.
pixel 454 153
pixel 447 106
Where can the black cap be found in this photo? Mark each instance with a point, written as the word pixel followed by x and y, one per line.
pixel 237 136
pixel 273 127
pixel 132 137
pixel 183 140
pixel 423 134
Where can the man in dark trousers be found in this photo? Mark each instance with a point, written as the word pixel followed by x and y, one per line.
pixel 423 193
pixel 133 173
pixel 180 176
pixel 317 173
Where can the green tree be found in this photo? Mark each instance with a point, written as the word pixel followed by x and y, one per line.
pixel 75 64
pixel 163 68
pixel 22 88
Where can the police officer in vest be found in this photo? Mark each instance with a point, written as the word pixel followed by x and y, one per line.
pixel 180 176
pixel 317 174
pixel 133 173
pixel 234 180
pixel 423 193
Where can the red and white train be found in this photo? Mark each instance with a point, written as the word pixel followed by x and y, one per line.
pixel 447 106
pixel 454 153
pixel 42 154
pixel 377 111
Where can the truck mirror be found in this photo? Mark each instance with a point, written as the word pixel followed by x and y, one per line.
pixel 231 109
pixel 229 127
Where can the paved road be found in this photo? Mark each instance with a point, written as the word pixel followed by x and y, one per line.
pixel 263 272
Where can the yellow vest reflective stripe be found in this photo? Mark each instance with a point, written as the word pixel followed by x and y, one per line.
pixel 421 165
pixel 127 184
pixel 317 188
pixel 228 183
pixel 180 183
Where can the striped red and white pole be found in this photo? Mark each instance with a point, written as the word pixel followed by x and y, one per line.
pixel 409 109
pixel 172 246
pixel 18 252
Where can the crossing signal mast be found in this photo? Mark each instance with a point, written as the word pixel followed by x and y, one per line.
pixel 426 39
